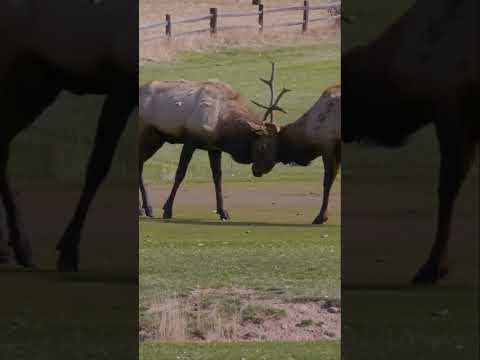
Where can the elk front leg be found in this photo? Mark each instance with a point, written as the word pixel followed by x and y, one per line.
pixel 21 245
pixel 115 112
pixel 456 157
pixel 185 157
pixel 216 166
pixel 331 163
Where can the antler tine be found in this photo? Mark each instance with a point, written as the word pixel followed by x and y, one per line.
pixel 260 105
pixel 273 102
pixel 275 106
pixel 271 84
pixel 272 90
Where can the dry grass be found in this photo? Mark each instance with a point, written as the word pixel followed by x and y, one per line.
pixel 169 319
pixel 160 49
pixel 238 315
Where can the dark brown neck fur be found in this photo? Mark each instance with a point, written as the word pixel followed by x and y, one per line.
pixel 238 131
pixel 292 151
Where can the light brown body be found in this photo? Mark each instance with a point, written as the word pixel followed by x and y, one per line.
pixel 208 115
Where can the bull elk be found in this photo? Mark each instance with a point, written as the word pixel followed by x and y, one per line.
pixel 401 81
pixel 207 115
pixel 36 65
pixel 317 133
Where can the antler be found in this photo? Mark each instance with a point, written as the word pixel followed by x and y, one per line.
pixel 273 103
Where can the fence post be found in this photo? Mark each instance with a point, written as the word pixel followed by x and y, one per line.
pixel 306 13
pixel 168 26
pixel 213 20
pixel 260 17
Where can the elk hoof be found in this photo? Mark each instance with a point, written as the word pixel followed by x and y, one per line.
pixel 320 219
pixel 224 215
pixel 140 212
pixel 149 211
pixel 167 214
pixel 23 253
pixel 68 260
pixel 429 274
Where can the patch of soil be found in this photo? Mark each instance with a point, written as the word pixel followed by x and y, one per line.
pixel 240 315
pixel 269 197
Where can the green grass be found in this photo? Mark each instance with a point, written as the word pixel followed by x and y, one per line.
pixel 56 148
pixel 297 260
pixel 276 256
pixel 45 315
pixel 242 254
pixel 324 350
pixel 305 70
pixel 410 323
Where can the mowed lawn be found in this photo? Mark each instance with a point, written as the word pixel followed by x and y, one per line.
pixel 325 350
pixel 271 249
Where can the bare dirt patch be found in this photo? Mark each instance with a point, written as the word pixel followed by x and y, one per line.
pixel 240 315
pixel 275 201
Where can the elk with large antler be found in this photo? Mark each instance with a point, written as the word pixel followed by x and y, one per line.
pixel 207 115
pixel 317 133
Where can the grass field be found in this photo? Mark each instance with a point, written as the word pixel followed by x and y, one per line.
pixel 267 247
pixel 325 350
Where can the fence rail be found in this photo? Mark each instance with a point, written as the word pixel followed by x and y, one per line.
pixel 333 8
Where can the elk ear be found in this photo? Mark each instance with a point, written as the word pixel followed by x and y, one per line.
pixel 272 129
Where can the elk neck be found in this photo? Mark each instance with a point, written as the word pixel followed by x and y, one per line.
pixel 291 147
pixel 237 133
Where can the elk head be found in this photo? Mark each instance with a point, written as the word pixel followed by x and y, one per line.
pixel 265 149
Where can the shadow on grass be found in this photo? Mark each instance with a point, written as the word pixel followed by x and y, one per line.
pixel 50 275
pixel 407 286
pixel 233 223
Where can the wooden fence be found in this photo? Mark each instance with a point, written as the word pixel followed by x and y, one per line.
pixel 332 8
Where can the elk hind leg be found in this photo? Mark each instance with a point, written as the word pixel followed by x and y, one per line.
pixel 455 162
pixel 116 110
pixel 331 164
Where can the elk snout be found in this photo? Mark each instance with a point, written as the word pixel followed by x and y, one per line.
pixel 256 172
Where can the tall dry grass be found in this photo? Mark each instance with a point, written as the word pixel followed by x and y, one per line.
pixel 178 319
pixel 168 320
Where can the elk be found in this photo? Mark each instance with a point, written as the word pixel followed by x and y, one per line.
pixel 38 62
pixel 208 115
pixel 400 82
pixel 317 133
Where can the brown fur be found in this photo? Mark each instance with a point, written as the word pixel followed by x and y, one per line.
pixel 236 132
pixel 316 133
